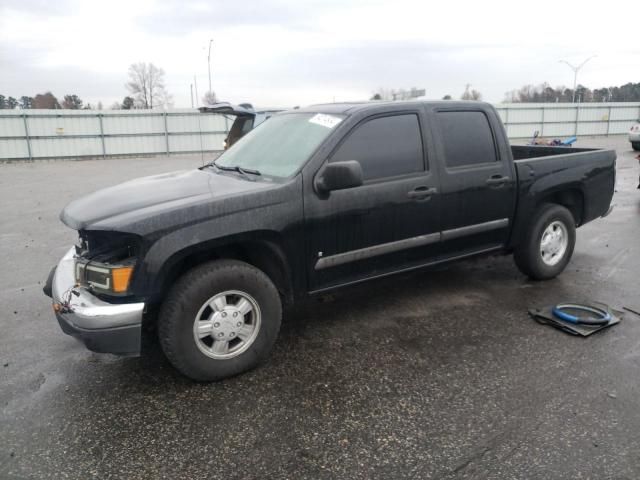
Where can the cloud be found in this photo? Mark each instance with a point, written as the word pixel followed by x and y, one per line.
pixel 286 52
pixel 43 7
pixel 176 17
pixel 30 80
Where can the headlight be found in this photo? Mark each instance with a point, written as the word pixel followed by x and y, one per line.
pixel 105 261
pixel 105 278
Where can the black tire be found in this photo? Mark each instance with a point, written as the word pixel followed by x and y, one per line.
pixel 635 146
pixel 186 297
pixel 527 255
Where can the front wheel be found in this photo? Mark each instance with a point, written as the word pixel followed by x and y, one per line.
pixel 219 319
pixel 549 242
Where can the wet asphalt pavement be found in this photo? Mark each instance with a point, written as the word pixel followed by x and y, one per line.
pixel 439 374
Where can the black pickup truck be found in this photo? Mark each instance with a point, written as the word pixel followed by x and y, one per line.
pixel 312 200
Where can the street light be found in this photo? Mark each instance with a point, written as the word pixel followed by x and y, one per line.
pixel 575 74
pixel 209 63
pixel 195 84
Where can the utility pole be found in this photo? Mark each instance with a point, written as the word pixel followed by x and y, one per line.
pixel 209 63
pixel 195 82
pixel 576 69
pixel 192 95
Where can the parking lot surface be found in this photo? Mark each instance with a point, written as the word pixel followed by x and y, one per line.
pixel 439 374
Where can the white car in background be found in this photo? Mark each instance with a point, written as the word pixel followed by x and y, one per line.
pixel 634 136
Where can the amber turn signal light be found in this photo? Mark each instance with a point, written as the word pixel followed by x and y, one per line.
pixel 121 277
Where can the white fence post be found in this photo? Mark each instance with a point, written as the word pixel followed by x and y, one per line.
pixel 506 120
pixel 104 150
pixel 166 132
pixel 26 135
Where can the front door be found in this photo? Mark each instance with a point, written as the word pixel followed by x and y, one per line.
pixel 391 221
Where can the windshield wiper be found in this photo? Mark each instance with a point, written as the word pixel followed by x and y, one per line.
pixel 247 170
pixel 236 168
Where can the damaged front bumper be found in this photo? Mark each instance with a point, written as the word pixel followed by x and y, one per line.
pixel 103 327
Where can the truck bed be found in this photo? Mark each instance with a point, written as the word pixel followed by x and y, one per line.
pixel 523 152
pixel 588 172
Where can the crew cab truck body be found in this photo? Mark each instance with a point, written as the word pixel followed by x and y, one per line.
pixel 312 200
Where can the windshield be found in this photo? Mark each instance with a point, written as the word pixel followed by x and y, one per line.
pixel 281 145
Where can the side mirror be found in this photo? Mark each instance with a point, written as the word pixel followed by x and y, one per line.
pixel 338 176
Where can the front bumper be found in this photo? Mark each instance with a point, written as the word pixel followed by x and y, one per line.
pixel 103 327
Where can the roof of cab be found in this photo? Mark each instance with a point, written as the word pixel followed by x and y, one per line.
pixel 352 107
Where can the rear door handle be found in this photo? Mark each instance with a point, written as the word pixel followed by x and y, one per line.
pixel 421 193
pixel 497 180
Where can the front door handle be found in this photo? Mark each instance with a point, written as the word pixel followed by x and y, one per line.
pixel 421 193
pixel 497 180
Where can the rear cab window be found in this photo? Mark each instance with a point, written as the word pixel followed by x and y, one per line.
pixel 467 138
pixel 385 146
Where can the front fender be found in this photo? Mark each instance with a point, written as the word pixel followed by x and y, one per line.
pixel 280 223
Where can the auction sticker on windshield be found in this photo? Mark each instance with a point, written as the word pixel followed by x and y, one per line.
pixel 328 121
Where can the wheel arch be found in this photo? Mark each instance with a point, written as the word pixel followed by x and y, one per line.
pixel 263 250
pixel 571 198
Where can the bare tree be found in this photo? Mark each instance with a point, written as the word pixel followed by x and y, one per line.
pixel 9 103
pixel 25 102
pixel 210 98
pixel 397 94
pixel 470 94
pixel 382 94
pixel 45 100
pixel 146 84
pixel 72 102
pixel 128 103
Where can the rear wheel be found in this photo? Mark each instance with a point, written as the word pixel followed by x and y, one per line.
pixel 548 244
pixel 635 146
pixel 219 319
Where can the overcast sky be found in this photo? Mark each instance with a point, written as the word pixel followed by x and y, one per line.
pixel 286 53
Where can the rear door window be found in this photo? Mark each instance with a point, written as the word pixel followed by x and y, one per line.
pixel 385 147
pixel 467 138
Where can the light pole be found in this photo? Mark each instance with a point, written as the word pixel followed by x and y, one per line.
pixel 576 69
pixel 195 83
pixel 209 63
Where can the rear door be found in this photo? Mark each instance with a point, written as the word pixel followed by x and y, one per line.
pixel 391 221
pixel 478 185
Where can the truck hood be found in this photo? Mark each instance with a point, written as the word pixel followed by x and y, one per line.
pixel 146 198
